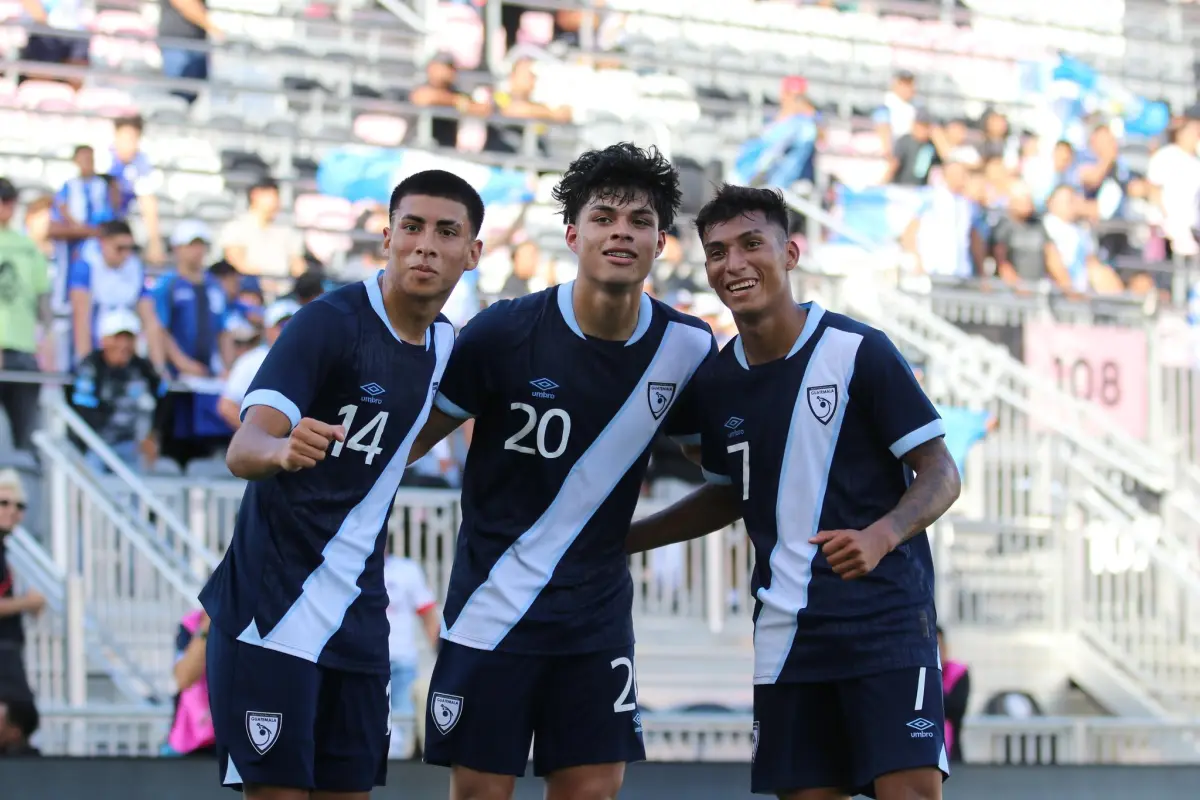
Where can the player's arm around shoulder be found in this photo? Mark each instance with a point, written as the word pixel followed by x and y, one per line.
pixel 710 508
pixel 277 433
pixel 470 378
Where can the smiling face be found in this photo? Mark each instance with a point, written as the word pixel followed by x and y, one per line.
pixel 430 245
pixel 747 260
pixel 616 242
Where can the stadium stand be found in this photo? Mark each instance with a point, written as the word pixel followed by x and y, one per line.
pixel 1069 572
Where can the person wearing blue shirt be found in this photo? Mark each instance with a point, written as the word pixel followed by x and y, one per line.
pixel 108 274
pixel 192 308
pixel 139 180
pixel 82 203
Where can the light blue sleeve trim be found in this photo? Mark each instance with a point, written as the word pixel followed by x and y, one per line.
pixel 450 408
pixel 920 436
pixel 272 399
pixel 686 439
pixel 719 480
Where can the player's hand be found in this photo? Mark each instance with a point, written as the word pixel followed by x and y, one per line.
pixel 852 554
pixel 308 443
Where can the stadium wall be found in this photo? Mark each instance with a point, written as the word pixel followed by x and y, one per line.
pixel 188 779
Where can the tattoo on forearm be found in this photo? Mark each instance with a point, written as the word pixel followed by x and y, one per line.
pixel 929 496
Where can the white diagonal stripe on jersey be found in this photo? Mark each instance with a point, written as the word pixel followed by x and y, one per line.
pixel 521 573
pixel 803 479
pixel 329 591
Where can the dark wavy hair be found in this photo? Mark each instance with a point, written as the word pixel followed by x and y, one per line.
pixel 737 201
pixel 620 172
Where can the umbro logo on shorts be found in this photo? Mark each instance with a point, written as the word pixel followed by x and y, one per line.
pixel 263 729
pixel 921 728
pixel 446 710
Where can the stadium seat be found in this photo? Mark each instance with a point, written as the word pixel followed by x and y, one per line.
pixel 108 102
pixel 458 31
pixel 380 129
pixel 10 10
pixel 129 22
pixel 537 28
pixel 324 212
pixel 325 246
pixel 46 96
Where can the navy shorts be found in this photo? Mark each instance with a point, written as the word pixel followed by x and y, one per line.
pixel 844 734
pixel 486 707
pixel 283 721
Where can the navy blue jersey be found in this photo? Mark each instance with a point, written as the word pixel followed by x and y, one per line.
pixel 814 442
pixel 563 425
pixel 304 572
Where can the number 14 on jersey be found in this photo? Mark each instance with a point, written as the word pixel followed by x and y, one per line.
pixel 374 429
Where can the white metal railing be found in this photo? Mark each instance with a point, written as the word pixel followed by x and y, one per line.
pixel 140 731
pixel 137 568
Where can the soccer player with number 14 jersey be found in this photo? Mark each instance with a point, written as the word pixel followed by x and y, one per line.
pixel 298 671
pixel 812 428
pixel 567 388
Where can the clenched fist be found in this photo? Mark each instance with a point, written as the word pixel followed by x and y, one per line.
pixel 308 443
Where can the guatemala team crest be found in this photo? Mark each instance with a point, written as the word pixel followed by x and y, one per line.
pixel 660 396
pixel 822 402
pixel 446 709
pixel 263 729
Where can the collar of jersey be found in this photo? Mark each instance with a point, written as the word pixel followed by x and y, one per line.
pixel 815 312
pixel 375 295
pixel 566 306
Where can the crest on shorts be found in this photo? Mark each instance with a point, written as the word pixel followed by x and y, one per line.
pixel 263 729
pixel 659 395
pixel 446 709
pixel 822 402
pixel 754 741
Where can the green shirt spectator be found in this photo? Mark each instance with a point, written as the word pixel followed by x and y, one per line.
pixel 24 302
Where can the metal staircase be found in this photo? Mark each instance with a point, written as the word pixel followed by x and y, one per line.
pixel 1123 533
pixel 119 556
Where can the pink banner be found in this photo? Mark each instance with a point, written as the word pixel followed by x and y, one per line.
pixel 1104 365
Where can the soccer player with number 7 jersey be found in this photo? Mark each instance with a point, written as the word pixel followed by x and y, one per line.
pixel 567 388
pixel 815 432
pixel 298 672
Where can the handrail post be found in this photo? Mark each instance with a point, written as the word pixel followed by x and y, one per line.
pixel 76 663
pixel 714 579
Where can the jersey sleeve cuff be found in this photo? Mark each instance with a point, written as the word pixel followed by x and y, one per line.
pixel 923 434
pixel 714 478
pixel 273 399
pixel 686 439
pixel 450 408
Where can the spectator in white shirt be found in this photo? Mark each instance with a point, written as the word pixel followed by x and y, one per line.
pixel 895 117
pixel 256 244
pixel 1174 175
pixel 409 600
pixel 242 373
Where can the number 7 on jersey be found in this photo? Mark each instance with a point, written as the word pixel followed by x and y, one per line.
pixel 744 449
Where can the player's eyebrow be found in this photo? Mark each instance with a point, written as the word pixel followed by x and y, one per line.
pixel 609 209
pixel 441 223
pixel 711 243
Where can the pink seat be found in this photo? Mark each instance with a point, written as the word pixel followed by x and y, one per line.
pixel 380 129
pixel 46 96
pixel 325 245
pixel 537 28
pixel 107 102
pixel 459 31
pixel 10 10
pixel 323 211
pixel 122 22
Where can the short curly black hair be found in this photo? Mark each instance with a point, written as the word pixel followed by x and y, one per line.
pixel 620 172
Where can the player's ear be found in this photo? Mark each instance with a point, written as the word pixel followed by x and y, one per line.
pixel 387 238
pixel 793 254
pixel 474 254
pixel 573 238
pixel 662 242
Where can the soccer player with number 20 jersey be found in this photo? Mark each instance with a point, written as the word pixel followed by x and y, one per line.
pixel 298 650
pixel 567 388
pixel 812 429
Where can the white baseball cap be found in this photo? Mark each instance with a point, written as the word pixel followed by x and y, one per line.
pixel 119 320
pixel 188 231
pixel 278 311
